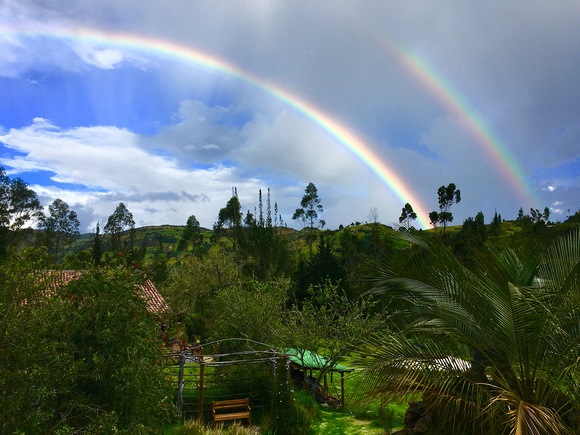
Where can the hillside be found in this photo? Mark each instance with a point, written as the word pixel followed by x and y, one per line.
pixel 153 240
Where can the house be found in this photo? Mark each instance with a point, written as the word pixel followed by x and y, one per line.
pixel 156 305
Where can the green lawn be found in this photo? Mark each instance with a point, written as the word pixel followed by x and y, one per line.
pixel 342 423
pixel 357 418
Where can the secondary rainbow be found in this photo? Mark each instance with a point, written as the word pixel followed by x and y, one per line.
pixel 165 48
pixel 455 104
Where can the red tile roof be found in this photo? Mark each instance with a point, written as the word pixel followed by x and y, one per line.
pixel 155 302
pixel 147 290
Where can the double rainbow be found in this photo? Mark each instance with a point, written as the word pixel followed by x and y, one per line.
pixel 344 135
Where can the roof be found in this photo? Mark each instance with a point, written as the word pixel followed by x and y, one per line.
pixel 311 360
pixel 155 302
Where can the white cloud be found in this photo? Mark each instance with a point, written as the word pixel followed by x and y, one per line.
pixel 200 133
pixel 290 144
pixel 520 80
pixel 112 167
pixel 101 58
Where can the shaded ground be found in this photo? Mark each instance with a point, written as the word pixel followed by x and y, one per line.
pixel 338 423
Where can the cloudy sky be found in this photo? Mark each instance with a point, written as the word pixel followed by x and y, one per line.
pixel 165 106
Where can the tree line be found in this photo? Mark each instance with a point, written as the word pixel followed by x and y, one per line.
pixel 412 304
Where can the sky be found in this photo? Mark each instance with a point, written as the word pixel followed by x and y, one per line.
pixel 167 106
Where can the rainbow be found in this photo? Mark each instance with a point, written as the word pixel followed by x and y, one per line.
pixel 338 130
pixel 454 103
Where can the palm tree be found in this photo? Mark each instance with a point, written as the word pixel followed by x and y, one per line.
pixel 491 349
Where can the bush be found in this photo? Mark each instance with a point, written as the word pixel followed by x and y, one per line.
pixel 251 310
pixel 85 358
pixel 292 412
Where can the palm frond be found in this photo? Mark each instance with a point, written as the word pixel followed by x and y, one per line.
pixel 516 315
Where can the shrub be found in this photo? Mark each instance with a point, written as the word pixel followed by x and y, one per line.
pixel 291 412
pixel 83 359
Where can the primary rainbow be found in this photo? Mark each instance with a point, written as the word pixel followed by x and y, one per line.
pixel 165 48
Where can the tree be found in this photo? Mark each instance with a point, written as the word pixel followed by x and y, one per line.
pixel 18 206
pixel 231 217
pixel 266 253
pixel 546 214
pixel 470 239
pixel 278 221
pixel 251 309
pixel 193 281
pixel 434 218
pixel 191 236
pixel 329 323
pixel 97 248
pixel 447 196
pixel 540 217
pixel 120 221
pixel 536 215
pixel 495 227
pixel 159 267
pixel 310 208
pixel 496 344
pixel 82 360
pixel 323 267
pixel 61 225
pixel 374 215
pixel 407 215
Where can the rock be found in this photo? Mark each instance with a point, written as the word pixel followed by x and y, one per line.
pixel 422 425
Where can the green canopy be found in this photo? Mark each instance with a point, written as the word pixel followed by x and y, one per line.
pixel 310 360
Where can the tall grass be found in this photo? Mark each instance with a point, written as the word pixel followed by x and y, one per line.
pixel 194 427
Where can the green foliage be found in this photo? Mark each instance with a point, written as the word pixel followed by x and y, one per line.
pixel 251 310
pixel 407 216
pixel 291 412
pixel 308 213
pixel 575 218
pixel 97 247
pixel 18 206
pixel 470 240
pixel 159 268
pixel 265 251
pixel 310 207
pixel 193 281
pixel 329 324
pixel 80 357
pixel 446 196
pixel 387 416
pixel 120 221
pixel 282 419
pixel 322 267
pixel 192 235
pixel 61 225
pixel 195 427
pixel 230 217
pixel 493 348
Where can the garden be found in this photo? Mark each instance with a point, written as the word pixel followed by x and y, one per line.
pixel 419 338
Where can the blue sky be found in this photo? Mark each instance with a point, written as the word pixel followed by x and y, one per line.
pixel 96 124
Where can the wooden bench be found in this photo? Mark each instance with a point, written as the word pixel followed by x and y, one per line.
pixel 234 409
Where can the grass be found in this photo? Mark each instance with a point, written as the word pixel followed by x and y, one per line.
pixel 328 422
pixel 356 418
pixel 334 422
pixel 193 427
